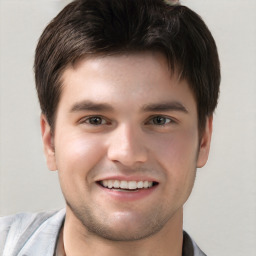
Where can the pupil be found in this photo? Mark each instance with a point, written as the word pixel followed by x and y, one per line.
pixel 95 120
pixel 159 120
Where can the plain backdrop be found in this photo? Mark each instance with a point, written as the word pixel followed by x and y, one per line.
pixel 221 212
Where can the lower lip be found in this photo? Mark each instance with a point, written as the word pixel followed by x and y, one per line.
pixel 129 196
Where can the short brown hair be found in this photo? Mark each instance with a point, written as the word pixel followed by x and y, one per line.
pixel 96 27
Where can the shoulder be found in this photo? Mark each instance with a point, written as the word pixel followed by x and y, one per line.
pixel 17 231
pixel 190 248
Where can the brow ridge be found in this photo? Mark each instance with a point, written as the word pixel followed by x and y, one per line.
pixel 165 106
pixel 90 106
pixel 153 107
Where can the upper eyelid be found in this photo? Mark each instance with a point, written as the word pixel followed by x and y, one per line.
pixel 172 119
pixel 83 119
pixel 108 120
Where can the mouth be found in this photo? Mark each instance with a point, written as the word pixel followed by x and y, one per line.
pixel 127 186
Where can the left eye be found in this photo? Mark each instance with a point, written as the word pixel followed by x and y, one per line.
pixel 95 120
pixel 160 120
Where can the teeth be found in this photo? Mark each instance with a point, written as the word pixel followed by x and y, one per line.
pixel 132 184
pixel 145 184
pixel 140 184
pixel 116 184
pixel 110 184
pixel 105 183
pixel 123 184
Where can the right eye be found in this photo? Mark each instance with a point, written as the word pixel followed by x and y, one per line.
pixel 159 120
pixel 95 120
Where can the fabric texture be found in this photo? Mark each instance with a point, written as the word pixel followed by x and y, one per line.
pixel 36 234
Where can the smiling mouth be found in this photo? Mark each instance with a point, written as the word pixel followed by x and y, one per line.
pixel 123 185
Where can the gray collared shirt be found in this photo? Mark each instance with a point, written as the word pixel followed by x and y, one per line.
pixel 35 234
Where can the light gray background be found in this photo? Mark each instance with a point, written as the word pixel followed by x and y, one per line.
pixel 221 213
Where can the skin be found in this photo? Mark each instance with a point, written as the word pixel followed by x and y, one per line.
pixel 134 137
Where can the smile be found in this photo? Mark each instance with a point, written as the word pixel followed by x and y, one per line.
pixel 127 185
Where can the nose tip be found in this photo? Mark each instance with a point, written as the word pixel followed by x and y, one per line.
pixel 127 148
pixel 125 157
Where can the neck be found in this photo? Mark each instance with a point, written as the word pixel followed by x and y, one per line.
pixel 78 241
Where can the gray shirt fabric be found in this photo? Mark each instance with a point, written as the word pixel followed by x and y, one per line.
pixel 35 234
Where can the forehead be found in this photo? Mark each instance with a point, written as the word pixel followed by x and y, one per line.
pixel 121 66
pixel 138 77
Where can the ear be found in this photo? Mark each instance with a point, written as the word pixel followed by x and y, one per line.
pixel 48 143
pixel 205 143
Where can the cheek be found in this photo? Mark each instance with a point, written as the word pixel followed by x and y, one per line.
pixel 177 153
pixel 78 153
pixel 177 156
pixel 76 156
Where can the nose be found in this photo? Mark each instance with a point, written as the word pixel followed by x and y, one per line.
pixel 127 146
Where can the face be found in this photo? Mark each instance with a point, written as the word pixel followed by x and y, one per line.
pixel 125 145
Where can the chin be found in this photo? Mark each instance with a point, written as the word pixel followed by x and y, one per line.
pixel 126 234
pixel 124 226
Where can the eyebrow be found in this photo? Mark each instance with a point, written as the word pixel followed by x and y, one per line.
pixel 154 107
pixel 165 106
pixel 90 106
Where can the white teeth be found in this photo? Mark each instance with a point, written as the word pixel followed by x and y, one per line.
pixel 140 184
pixel 110 184
pixel 116 184
pixel 105 183
pixel 123 184
pixel 132 184
pixel 145 185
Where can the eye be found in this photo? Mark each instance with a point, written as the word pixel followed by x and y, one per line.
pixel 160 120
pixel 95 120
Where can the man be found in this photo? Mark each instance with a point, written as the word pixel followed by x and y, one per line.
pixel 127 91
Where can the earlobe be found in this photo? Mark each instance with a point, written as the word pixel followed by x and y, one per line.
pixel 205 143
pixel 47 138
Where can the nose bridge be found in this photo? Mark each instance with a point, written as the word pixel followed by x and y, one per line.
pixel 126 145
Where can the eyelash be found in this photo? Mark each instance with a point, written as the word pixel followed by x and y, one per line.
pixel 90 118
pixel 150 121
pixel 167 120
